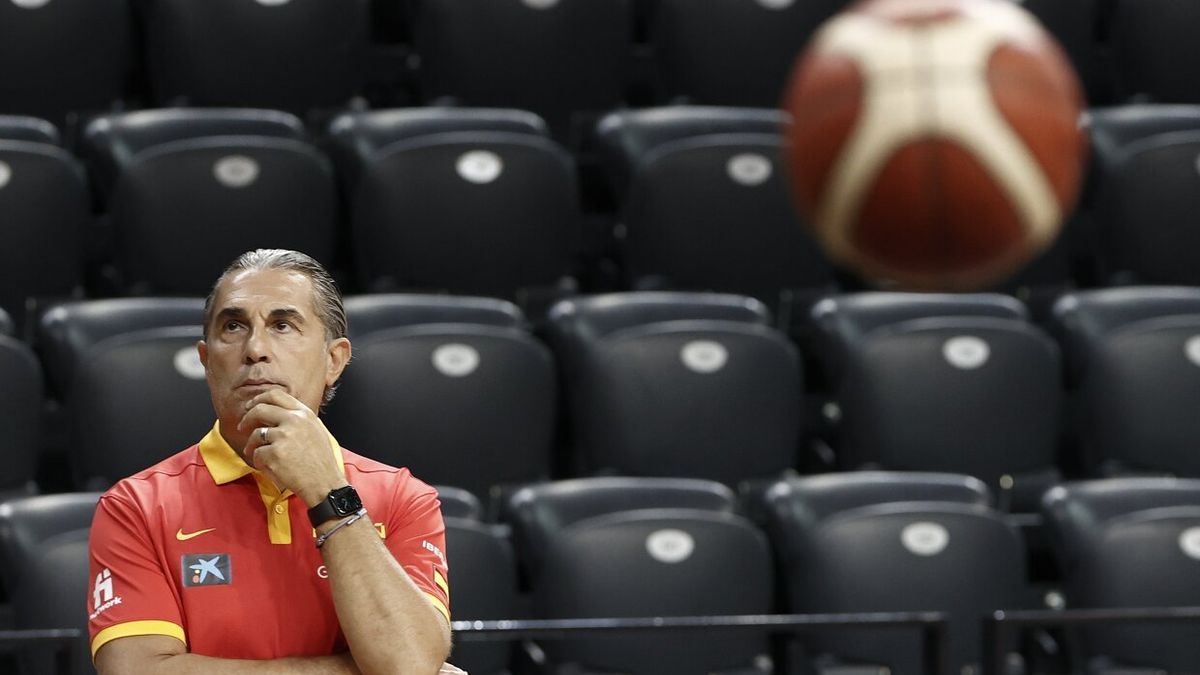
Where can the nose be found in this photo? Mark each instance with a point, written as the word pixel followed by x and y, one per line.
pixel 257 347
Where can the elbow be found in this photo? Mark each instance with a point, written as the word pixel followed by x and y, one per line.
pixel 423 659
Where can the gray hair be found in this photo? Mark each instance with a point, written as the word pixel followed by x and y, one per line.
pixel 327 300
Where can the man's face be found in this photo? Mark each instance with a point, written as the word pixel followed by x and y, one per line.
pixel 265 333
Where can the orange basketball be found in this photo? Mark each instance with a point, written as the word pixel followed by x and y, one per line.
pixel 935 143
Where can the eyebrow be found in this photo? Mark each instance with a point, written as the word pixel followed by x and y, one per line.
pixel 290 313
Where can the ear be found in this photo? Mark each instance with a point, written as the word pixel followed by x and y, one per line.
pixel 202 350
pixel 339 352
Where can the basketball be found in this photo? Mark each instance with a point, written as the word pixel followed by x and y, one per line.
pixel 934 144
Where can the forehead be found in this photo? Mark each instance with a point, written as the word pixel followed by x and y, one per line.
pixel 264 291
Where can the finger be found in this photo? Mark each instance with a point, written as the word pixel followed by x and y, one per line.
pixel 253 443
pixel 276 397
pixel 263 415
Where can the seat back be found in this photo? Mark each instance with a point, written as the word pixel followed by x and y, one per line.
pixel 27 522
pixel 474 212
pixel 469 405
pixel 194 189
pixel 1131 352
pixel 20 415
pixel 1129 543
pixel 49 597
pixel 652 563
pixel 881 542
pixel 1152 187
pixel 577 323
pixel 530 55
pixel 67 330
pixel 728 52
pixel 485 589
pixel 969 387
pixel 43 568
pixel 151 381
pixel 708 208
pixel 380 311
pixel 1150 40
pixel 539 512
pixel 45 201
pixel 64 57
pixel 293 55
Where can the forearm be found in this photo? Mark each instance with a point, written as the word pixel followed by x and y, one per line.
pixel 122 661
pixel 389 623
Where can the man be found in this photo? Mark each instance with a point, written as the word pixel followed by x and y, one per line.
pixel 250 552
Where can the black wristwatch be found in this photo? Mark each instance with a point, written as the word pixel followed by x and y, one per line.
pixel 338 503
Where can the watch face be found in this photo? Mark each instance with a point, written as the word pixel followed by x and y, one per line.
pixel 345 500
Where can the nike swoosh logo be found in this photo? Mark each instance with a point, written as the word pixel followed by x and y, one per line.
pixel 181 536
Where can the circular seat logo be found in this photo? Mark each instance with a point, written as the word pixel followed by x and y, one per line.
pixel 670 546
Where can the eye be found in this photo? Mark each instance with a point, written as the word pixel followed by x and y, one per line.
pixel 283 326
pixel 231 326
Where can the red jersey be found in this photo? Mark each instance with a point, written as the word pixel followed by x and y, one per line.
pixel 202 547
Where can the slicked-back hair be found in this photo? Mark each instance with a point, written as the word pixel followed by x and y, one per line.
pixel 327 299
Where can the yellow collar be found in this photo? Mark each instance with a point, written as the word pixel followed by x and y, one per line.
pixel 226 465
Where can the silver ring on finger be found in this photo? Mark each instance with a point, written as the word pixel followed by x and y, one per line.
pixel 262 433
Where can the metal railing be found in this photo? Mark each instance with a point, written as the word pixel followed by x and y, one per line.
pixel 931 626
pixel 998 627
pixel 62 642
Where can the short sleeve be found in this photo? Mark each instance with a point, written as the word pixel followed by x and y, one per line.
pixel 416 536
pixel 130 591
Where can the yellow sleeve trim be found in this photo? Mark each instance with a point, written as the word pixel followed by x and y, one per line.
pixel 132 628
pixel 441 582
pixel 438 605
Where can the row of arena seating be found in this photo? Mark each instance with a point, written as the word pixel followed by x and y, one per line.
pixel 483 202
pixel 835 544
pixel 551 56
pixel 658 384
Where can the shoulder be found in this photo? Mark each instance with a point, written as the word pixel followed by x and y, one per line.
pixel 375 480
pixel 374 473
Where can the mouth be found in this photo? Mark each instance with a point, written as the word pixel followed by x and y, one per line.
pixel 259 384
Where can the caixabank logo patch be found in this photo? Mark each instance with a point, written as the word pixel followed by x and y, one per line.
pixel 206 569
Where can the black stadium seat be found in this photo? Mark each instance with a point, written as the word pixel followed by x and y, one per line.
pixel 556 58
pixel 64 57
pixel 701 389
pixel 678 552
pixel 459 503
pixel 49 597
pixel 474 202
pixel 380 311
pixel 44 568
pixel 894 542
pixel 1149 189
pixel 68 330
pixel 704 202
pixel 1133 358
pixel 20 416
pixel 44 216
pixel 290 54
pixel 483 587
pixel 1153 50
pixel 460 403
pixel 539 512
pixel 732 52
pixel 192 189
pixel 28 521
pixel 151 380
pixel 1129 543
pixel 957 383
